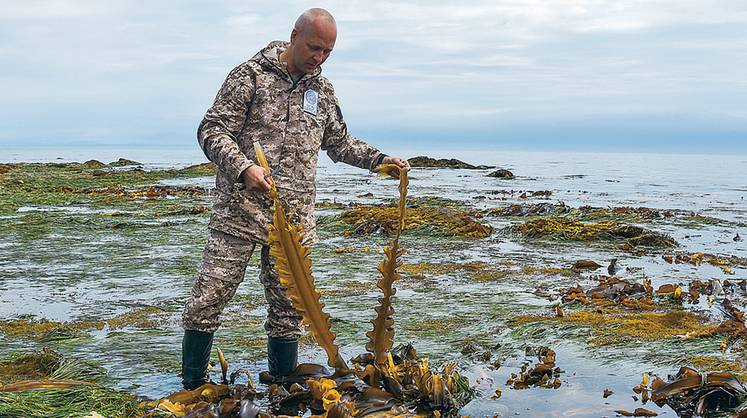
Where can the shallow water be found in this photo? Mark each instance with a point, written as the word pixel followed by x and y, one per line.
pixel 69 264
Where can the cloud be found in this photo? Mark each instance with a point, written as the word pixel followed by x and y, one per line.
pixel 123 69
pixel 40 10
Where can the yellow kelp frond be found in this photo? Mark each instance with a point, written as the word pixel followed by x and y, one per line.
pixel 223 366
pixel 40 384
pixel 391 170
pixel 293 265
pixel 263 162
pixel 381 338
pixel 395 171
pixel 403 183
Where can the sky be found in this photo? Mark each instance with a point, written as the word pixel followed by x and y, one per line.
pixel 598 75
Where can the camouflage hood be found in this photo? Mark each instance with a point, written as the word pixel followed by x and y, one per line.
pixel 269 58
pixel 293 121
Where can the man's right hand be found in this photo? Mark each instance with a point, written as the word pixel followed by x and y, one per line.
pixel 255 178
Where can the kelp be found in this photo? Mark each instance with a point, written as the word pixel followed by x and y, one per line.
pixel 692 393
pixel 149 192
pixel 385 384
pixel 481 271
pixel 697 258
pixel 93 183
pixel 434 201
pixel 143 318
pixel 570 230
pixel 543 374
pixel 638 214
pixel 440 221
pixel 408 386
pixel 711 364
pixel 598 215
pixel 615 327
pixel 381 338
pixel 536 209
pixel 293 265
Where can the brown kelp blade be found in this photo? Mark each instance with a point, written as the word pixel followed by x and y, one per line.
pixel 391 170
pixel 293 265
pixel 403 183
pixel 381 338
pixel 27 385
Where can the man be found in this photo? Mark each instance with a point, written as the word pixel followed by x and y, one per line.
pixel 279 99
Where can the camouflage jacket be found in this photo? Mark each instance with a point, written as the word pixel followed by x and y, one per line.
pixel 259 102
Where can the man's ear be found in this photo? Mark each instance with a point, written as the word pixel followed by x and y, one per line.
pixel 294 33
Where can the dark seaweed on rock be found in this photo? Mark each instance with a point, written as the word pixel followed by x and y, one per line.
pixel 570 230
pixel 536 209
pixel 427 162
pixel 437 221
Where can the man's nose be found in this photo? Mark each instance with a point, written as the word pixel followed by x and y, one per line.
pixel 318 56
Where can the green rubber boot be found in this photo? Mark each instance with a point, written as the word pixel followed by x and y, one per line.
pixel 282 355
pixel 196 348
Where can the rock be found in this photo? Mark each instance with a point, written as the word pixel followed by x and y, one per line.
pixel 502 173
pixel 427 162
pixel 123 162
pixel 93 164
pixel 586 264
pixel 538 209
pixel 612 269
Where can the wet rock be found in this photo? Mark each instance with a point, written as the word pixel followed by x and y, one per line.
pixel 586 265
pixel 205 169
pixel 536 209
pixel 697 258
pixel 122 162
pixel 568 229
pixel 502 174
pixel 93 164
pixel 427 162
pixel 612 269
pixel 639 412
pixel 367 219
pixel 544 373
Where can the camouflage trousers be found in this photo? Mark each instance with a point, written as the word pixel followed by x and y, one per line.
pixel 223 266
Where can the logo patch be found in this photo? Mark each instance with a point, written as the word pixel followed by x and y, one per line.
pixel 310 101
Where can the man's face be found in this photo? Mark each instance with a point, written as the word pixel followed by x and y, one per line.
pixel 312 46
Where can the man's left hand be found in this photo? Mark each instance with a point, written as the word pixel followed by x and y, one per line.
pixel 401 162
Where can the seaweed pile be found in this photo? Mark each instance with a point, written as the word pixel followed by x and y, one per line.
pixel 568 229
pixel 440 221
pixel 544 374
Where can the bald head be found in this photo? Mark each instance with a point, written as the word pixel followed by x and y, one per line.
pixel 311 41
pixel 315 18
